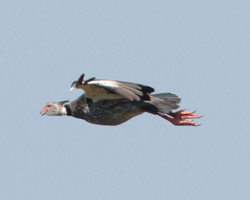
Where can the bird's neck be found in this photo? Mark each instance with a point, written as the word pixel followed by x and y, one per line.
pixel 67 110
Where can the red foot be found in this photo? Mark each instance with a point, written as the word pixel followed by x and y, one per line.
pixel 181 118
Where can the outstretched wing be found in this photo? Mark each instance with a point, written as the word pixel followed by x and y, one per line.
pixel 108 89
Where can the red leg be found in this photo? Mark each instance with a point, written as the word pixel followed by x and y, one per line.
pixel 182 118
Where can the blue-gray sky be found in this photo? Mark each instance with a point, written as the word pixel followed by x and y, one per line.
pixel 199 50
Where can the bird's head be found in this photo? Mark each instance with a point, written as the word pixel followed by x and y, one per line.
pixel 54 109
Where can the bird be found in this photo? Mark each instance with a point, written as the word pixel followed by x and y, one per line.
pixel 111 103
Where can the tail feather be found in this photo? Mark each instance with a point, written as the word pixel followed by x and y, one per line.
pixel 162 103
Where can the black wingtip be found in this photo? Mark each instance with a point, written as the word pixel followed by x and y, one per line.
pixel 91 79
pixel 63 102
pixel 80 80
pixel 73 84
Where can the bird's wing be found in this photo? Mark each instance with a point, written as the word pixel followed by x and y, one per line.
pixel 108 89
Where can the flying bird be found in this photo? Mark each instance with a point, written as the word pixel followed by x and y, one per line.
pixel 109 102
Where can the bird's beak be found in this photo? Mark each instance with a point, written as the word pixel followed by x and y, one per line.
pixel 43 111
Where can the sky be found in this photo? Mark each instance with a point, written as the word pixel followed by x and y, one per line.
pixel 198 50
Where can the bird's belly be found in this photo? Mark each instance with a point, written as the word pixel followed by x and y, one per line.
pixel 112 120
pixel 112 113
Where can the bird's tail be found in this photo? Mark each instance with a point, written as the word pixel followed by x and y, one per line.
pixel 162 103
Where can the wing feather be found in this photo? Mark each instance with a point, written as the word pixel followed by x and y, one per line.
pixel 108 89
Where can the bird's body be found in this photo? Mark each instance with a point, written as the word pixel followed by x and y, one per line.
pixel 107 102
pixel 104 112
